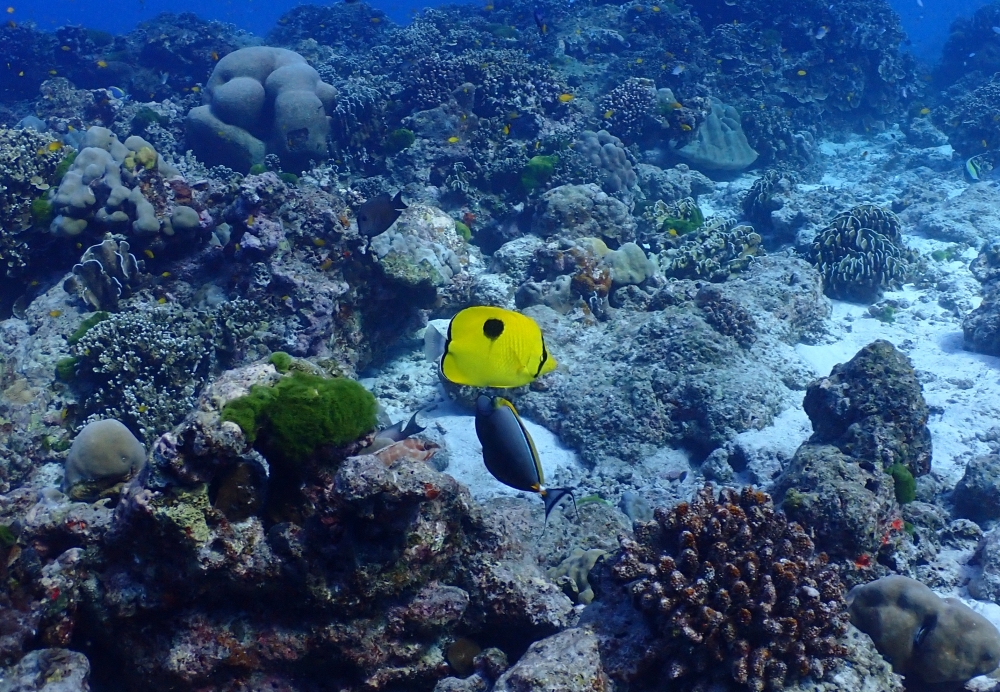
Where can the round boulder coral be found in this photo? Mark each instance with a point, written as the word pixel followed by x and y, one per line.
pixel 103 453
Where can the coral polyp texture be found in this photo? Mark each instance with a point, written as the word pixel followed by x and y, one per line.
pixel 735 591
pixel 860 254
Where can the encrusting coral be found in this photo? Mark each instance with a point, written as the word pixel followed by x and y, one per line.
pixel 734 589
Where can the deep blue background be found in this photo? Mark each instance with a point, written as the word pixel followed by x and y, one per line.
pixel 926 26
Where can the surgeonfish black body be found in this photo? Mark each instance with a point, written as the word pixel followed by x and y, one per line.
pixel 509 452
pixel 376 215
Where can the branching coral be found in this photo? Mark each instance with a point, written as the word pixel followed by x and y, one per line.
pixel 734 590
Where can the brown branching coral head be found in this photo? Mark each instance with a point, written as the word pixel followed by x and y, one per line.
pixel 735 590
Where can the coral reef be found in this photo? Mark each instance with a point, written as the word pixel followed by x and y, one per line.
pixel 735 591
pixel 981 327
pixel 867 415
pixel 860 254
pixel 928 639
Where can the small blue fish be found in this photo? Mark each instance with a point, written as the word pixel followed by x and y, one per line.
pixel 118 93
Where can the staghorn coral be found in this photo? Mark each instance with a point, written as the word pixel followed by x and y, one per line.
pixel 143 368
pixel 860 253
pixel 734 590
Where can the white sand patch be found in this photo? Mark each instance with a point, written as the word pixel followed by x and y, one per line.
pixel 963 388
pixel 465 454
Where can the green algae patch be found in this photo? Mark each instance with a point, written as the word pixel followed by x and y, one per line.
pixel 183 514
pixel 904 483
pixel 538 171
pixel 302 413
pixel 86 326
pixel 281 361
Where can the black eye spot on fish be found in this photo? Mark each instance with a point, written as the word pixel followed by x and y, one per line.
pixel 493 328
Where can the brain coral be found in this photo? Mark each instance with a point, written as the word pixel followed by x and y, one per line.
pixel 259 101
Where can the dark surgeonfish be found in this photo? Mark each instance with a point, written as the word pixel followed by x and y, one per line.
pixel 509 452
pixel 395 433
pixel 376 215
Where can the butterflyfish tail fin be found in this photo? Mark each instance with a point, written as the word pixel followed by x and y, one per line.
pixel 553 496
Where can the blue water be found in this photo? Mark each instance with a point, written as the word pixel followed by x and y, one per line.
pixel 927 26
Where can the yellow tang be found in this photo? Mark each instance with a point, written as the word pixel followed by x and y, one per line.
pixel 493 347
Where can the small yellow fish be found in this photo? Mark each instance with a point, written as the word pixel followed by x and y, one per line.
pixel 142 407
pixel 53 72
pixel 608 113
pixel 250 220
pixel 327 263
pixel 10 10
pixel 196 88
pixel 565 98
pixel 102 64
pixel 638 61
pixel 685 127
pixel 165 275
pixel 148 253
pixel 655 8
pixel 215 56
pixel 65 49
pixel 319 242
pixel 453 140
pixel 54 146
pixel 55 313
pixel 375 20
pixel 506 130
pixel 161 300
pixel 925 111
pixel 801 73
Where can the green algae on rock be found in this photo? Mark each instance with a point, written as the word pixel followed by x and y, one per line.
pixel 303 412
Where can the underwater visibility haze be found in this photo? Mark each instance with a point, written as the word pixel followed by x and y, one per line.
pixel 500 347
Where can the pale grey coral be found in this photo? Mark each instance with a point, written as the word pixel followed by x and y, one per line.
pixel 714 253
pixel 720 144
pixel 860 254
pixel 144 368
pixel 102 191
pixel 605 152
